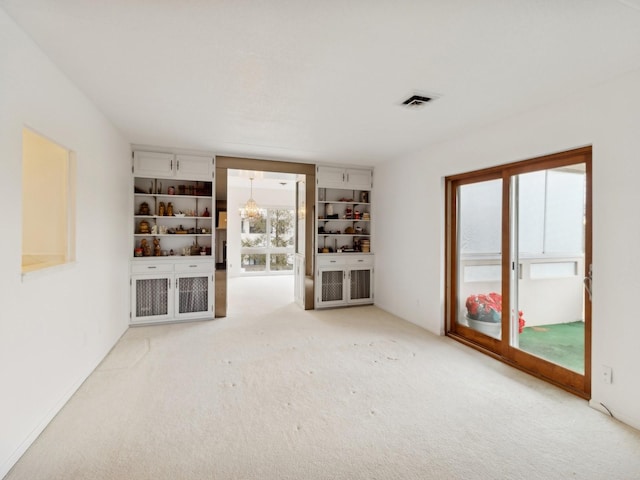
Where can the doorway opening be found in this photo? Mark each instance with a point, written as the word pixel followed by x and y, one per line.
pixel 260 237
pixel 519 265
pixel 261 232
pixel 260 240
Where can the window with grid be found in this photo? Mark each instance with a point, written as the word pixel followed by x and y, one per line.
pixel 268 241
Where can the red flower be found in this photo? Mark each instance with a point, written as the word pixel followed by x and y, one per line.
pixel 488 308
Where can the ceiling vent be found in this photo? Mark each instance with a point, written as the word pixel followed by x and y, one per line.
pixel 416 101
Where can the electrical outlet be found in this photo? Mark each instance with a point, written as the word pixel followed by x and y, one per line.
pixel 607 374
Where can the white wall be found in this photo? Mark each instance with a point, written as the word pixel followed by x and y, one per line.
pixel 409 249
pixel 56 325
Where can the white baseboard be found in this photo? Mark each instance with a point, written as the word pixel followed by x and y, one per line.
pixel 632 422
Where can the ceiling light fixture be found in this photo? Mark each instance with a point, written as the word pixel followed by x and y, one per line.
pixel 251 210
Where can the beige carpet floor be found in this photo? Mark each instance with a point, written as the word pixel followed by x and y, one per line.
pixel 274 392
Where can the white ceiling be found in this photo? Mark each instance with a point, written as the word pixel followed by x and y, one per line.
pixel 322 80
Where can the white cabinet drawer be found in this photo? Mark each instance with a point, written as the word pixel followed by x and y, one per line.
pixel 325 261
pixel 152 268
pixel 345 259
pixel 194 267
pixel 364 261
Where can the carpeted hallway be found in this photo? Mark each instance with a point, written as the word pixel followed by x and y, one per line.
pixel 280 393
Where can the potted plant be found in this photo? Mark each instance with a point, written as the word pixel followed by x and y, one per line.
pixel 484 313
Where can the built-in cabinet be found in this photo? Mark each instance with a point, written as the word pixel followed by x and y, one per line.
pixel 173 239
pixel 344 259
pixel 170 291
pixel 344 280
pixel 347 178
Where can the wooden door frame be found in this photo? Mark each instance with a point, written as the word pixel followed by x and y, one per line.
pixel 500 349
pixel 223 163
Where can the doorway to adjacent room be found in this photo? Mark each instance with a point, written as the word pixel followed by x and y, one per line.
pixel 264 226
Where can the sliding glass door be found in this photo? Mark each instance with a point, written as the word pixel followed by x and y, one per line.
pixel 519 252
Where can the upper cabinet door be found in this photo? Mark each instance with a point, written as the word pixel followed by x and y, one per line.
pixel 194 167
pixel 358 178
pixel 331 177
pixel 347 178
pixel 168 165
pixel 153 164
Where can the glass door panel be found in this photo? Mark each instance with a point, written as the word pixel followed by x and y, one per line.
pixel 479 257
pixel 548 253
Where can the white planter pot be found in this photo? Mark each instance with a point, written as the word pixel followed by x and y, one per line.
pixel 488 328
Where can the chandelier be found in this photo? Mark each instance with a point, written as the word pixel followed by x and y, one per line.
pixel 251 210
